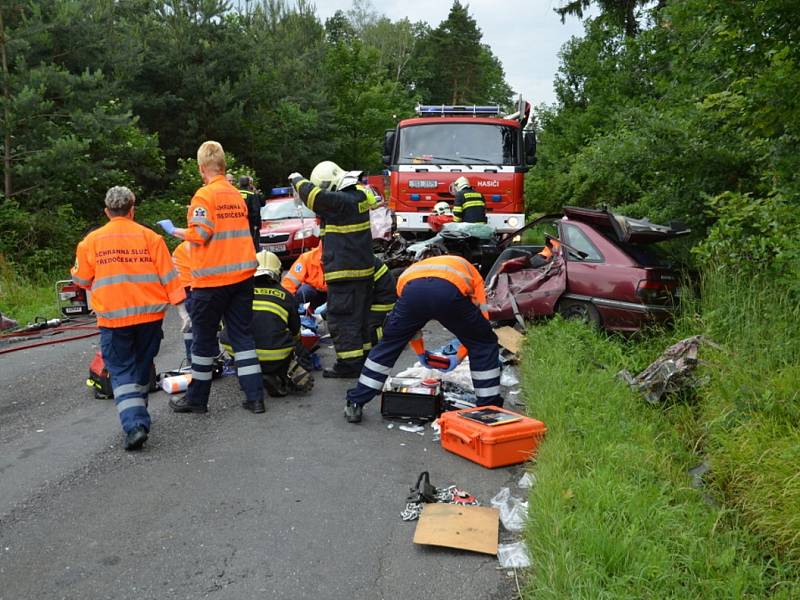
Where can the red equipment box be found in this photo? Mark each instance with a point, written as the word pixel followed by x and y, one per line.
pixel 491 446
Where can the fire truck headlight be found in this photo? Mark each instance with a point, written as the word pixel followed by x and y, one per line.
pixel 513 221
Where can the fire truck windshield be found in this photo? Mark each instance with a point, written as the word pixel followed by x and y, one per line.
pixel 458 143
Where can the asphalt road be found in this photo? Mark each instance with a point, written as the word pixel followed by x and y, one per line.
pixel 295 503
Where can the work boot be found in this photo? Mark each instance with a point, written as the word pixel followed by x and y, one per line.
pixel 181 405
pixel 256 406
pixel 353 412
pixel 339 373
pixel 136 438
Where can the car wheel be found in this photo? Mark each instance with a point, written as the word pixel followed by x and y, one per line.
pixel 577 309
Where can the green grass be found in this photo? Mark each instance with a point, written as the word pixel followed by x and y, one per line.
pixel 25 299
pixel 613 514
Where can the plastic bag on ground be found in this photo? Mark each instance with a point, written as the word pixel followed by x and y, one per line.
pixel 527 480
pixel 513 511
pixel 513 555
pixel 459 376
pixel 508 377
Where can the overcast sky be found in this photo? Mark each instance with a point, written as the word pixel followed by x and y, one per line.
pixel 525 35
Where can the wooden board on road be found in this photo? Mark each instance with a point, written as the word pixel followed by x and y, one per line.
pixel 464 527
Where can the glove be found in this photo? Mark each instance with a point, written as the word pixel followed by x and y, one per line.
pixel 186 321
pixel 423 359
pixel 167 226
pixel 295 177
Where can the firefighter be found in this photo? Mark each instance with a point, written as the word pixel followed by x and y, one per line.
pixel 440 216
pixel 254 201
pixel 306 279
pixel 447 289
pixel 469 206
pixel 180 258
pixel 347 259
pixel 384 296
pixel 223 261
pixel 276 325
pixel 128 269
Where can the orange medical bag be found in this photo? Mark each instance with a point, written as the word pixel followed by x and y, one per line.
pixel 491 446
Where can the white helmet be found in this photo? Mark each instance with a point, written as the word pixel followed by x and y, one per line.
pixel 268 264
pixel 327 175
pixel 459 184
pixel 442 208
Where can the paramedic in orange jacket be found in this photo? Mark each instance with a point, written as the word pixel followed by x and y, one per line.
pixel 180 258
pixel 223 261
pixel 447 289
pixel 128 269
pixel 305 279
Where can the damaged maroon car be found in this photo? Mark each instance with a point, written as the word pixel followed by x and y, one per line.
pixel 605 268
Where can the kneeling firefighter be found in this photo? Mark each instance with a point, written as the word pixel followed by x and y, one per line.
pixel 276 325
pixel 347 259
pixel 384 297
pixel 447 289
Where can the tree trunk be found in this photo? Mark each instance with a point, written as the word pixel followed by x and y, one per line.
pixel 7 189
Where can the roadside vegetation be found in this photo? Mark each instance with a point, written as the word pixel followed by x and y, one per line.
pixel 614 513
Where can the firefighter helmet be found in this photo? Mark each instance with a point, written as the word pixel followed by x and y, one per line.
pixel 268 264
pixel 441 208
pixel 327 175
pixel 459 184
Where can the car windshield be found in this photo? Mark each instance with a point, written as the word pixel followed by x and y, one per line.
pixel 458 143
pixel 274 210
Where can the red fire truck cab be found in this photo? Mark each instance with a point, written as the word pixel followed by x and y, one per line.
pixel 427 153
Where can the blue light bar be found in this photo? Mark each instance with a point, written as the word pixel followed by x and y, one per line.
pixel 415 197
pixel 496 197
pixel 281 191
pixel 427 110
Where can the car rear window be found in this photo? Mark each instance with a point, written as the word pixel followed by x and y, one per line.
pixel 648 255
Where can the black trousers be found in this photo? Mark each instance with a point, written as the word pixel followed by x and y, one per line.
pixel 348 322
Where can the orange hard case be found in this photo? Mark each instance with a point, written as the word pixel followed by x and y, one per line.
pixel 491 446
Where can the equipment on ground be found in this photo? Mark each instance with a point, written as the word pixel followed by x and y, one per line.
pixel 72 299
pixel 100 380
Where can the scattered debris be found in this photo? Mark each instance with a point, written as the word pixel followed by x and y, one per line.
pixel 510 339
pixel 527 480
pixel 425 493
pixel 513 556
pixel 513 511
pixel 420 429
pixel 669 373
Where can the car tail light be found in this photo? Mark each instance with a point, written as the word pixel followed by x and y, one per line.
pixel 656 291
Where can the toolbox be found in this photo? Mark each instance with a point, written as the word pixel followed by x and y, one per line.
pixel 412 400
pixel 491 445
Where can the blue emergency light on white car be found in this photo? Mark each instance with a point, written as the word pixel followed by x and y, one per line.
pixel 280 191
pixel 427 110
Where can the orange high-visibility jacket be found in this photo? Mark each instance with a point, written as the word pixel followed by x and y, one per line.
pixel 222 249
pixel 180 258
pixel 306 269
pixel 128 269
pixel 458 271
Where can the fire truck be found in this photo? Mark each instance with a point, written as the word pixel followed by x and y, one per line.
pixel 425 154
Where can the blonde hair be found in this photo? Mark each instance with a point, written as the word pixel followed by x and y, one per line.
pixel 211 156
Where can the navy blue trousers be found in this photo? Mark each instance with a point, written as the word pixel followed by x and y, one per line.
pixel 426 299
pixel 187 335
pixel 128 353
pixel 233 305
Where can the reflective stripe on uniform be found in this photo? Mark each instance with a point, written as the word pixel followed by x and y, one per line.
pixel 234 233
pixel 293 279
pixel 132 311
pixel 487 392
pixel 267 306
pixel 205 234
pixel 467 279
pixel 202 221
pixel 80 281
pixel 370 382
pixel 312 196
pixel 474 204
pixel 125 278
pixel 382 307
pixel 351 353
pixel 379 333
pixel 490 374
pixel 483 307
pixel 354 228
pixel 229 268
pixel 130 403
pixel 201 375
pixel 349 273
pixel 129 388
pixel 377 367
pixel 381 272
pixel 169 277
pixel 205 361
pixel 276 354
pixel 248 370
pixel 188 335
pixel 245 354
